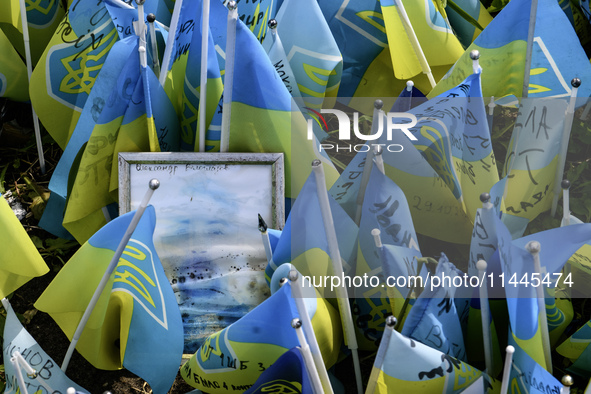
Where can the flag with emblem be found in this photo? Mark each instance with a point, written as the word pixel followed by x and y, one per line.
pixel 138 118
pixel 557 56
pixel 67 70
pixel 136 323
pixel 234 358
pixel 311 50
pixel 433 319
pixel 531 162
pixel 20 261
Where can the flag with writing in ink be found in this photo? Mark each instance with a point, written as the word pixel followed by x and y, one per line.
pixel 136 323
pixel 384 208
pixel 433 319
pixel 444 155
pixel 234 358
pixel 264 117
pixel 358 29
pixel 557 56
pixel 100 98
pixel 288 374
pixel 528 376
pixel 138 118
pixel 50 378
pixel 412 367
pixel 303 241
pixel 20 261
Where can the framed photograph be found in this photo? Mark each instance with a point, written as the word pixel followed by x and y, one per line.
pixel 207 233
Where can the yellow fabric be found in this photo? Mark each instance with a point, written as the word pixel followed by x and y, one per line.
pixel 20 261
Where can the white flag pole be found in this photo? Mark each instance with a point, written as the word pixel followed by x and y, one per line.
pixel 19 374
pixel 485 316
pixel 200 142
pixel 381 355
pixel 533 247
pixel 155 60
pixel 507 369
pixel 167 57
pixel 415 42
pixel 297 283
pixel 377 121
pixel 568 125
pixel 530 43
pixel 153 185
pixel 307 355
pixel 141 33
pixel 29 62
pixel 229 76
pixel 335 257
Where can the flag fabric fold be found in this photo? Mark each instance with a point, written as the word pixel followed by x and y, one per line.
pixel 136 323
pixel 20 261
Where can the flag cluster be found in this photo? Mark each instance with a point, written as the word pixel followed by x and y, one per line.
pixel 99 89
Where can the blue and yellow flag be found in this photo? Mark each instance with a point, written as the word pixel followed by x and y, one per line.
pixel 410 367
pixel 311 50
pixel 286 375
pixel 138 118
pixel 136 323
pixel 264 118
pixel 43 18
pixel 385 208
pixel 532 160
pixel 303 241
pixel 528 376
pixel 433 319
pixel 557 245
pixel 67 70
pixel 14 83
pixel 189 111
pixel 50 377
pixel 557 56
pixel 20 261
pixel 451 158
pixel 234 358
pixel 577 349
